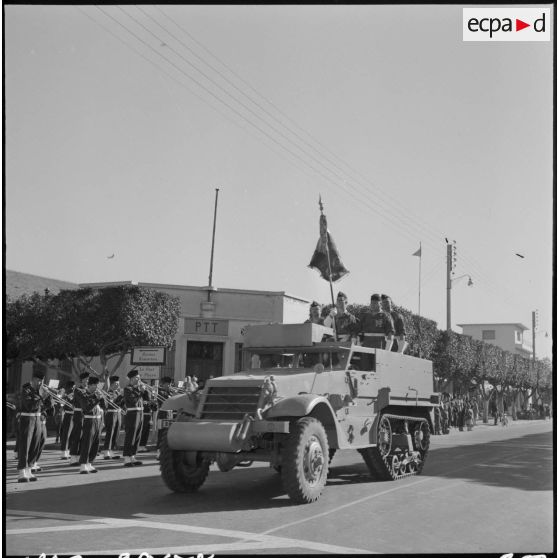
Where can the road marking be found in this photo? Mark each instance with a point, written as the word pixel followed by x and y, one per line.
pixel 251 541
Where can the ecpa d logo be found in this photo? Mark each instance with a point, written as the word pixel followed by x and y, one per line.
pixel 506 24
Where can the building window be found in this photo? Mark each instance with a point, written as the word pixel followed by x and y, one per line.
pixel 204 359
pixel 518 336
pixel 237 357
pixel 488 334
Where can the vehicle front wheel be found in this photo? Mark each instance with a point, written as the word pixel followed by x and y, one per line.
pixel 182 471
pixel 305 461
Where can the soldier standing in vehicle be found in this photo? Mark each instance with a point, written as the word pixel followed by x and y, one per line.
pixel 400 343
pixel 315 314
pixel 377 326
pixel 346 324
pixel 134 418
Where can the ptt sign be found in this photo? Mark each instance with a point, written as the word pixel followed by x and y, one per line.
pixel 206 326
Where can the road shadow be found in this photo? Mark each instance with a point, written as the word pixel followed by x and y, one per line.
pixel 523 463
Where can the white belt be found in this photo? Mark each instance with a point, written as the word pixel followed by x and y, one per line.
pixel 134 408
pixel 29 414
pixel 92 416
pixel 112 411
pixel 78 409
pixel 374 334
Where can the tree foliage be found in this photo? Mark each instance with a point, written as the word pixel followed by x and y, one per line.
pixel 78 325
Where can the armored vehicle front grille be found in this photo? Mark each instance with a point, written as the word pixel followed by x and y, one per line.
pixel 230 403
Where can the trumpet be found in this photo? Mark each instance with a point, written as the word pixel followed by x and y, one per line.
pixel 56 397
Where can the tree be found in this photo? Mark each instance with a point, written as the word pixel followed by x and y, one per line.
pixel 84 323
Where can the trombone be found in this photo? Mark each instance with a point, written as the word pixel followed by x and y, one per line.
pixel 106 396
pixel 56 397
pixel 152 391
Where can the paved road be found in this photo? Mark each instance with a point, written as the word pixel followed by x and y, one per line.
pixel 489 490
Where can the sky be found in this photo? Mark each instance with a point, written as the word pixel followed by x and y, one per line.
pixel 122 121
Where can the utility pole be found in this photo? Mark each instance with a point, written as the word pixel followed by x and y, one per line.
pixel 533 328
pixel 449 256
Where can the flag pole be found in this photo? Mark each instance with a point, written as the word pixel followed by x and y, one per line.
pixel 327 252
pixel 419 333
pixel 210 287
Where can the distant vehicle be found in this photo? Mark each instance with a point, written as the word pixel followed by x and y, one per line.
pixel 301 397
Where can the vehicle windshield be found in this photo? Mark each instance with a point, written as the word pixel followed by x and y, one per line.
pixel 298 359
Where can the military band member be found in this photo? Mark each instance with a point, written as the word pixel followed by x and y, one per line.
pixel 113 418
pixel 77 421
pixel 346 324
pixel 149 406
pixel 133 420
pixel 377 326
pixel 34 400
pixel 91 401
pixel 164 394
pixel 35 467
pixel 67 421
pixel 400 343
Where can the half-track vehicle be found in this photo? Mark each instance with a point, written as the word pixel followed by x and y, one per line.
pixel 300 397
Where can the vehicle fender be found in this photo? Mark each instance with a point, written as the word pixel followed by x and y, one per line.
pixel 309 404
pixel 296 406
pixel 182 402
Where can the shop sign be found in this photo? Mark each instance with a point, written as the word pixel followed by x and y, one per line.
pixel 148 356
pixel 149 372
pixel 206 326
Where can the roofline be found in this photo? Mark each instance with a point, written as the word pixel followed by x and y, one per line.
pixel 193 288
pixel 497 324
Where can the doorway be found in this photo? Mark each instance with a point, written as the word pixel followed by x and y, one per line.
pixel 204 359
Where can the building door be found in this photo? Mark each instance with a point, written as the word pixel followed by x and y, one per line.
pixel 204 359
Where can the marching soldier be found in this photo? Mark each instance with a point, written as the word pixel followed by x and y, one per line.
pixel 112 419
pixel 91 401
pixel 400 344
pixel 133 420
pixel 34 400
pixel 377 327
pixel 164 394
pixel 346 324
pixel 77 422
pixel 67 421
pixel 149 406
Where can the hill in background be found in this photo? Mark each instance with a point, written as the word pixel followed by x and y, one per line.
pixel 17 284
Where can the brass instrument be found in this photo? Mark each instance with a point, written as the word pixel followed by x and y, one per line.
pixel 10 405
pixel 153 391
pixel 56 397
pixel 106 396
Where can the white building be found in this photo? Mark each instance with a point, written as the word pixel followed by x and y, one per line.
pixel 509 337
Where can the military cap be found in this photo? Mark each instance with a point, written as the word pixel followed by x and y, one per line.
pixel 114 378
pixel 341 294
pixel 39 374
pixel 166 380
pixel 133 373
pixel 375 297
pixel 84 375
pixel 314 303
pixel 92 380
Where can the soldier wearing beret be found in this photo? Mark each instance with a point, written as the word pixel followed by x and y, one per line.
pixel 377 326
pixel 346 324
pixel 399 344
pixel 113 418
pixel 91 402
pixel 77 422
pixel 164 394
pixel 67 421
pixel 33 401
pixel 133 421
